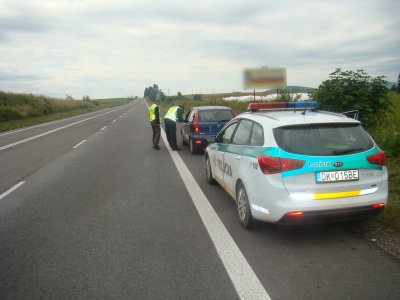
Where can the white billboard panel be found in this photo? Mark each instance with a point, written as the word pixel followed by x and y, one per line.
pixel 265 78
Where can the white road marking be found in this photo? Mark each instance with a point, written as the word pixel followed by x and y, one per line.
pixel 77 145
pixel 245 281
pixel 54 130
pixel 50 123
pixel 12 189
pixel 103 128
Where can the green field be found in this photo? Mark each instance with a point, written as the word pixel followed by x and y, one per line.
pixel 21 110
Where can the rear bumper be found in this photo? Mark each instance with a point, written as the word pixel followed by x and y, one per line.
pixel 201 141
pixel 331 215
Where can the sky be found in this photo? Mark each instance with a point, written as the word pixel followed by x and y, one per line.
pixel 116 48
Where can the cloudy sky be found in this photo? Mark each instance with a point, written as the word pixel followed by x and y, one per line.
pixel 115 48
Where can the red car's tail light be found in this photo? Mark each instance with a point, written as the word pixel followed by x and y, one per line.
pixel 196 122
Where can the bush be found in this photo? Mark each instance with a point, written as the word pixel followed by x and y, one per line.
pixel 20 106
pixel 348 90
pixel 8 114
pixel 387 132
pixel 197 97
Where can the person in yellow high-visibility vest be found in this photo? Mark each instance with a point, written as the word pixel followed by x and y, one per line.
pixel 155 121
pixel 174 114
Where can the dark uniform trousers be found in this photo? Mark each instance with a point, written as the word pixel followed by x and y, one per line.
pixel 170 131
pixel 156 132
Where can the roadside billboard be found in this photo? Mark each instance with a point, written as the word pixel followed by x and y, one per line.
pixel 264 78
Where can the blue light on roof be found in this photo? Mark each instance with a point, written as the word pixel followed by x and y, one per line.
pixel 305 104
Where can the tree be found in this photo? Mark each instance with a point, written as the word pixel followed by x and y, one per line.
pixel 349 90
pixel 153 93
pixel 287 96
pixel 197 97
pixel 398 84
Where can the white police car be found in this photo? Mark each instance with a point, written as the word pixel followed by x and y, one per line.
pixel 291 165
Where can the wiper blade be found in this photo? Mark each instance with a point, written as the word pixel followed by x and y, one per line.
pixel 347 151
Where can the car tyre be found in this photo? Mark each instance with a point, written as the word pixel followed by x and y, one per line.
pixel 192 147
pixel 209 173
pixel 183 139
pixel 243 207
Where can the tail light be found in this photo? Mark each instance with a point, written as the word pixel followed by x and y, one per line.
pixel 196 122
pixel 378 159
pixel 378 205
pixel 234 114
pixel 273 165
pixel 295 213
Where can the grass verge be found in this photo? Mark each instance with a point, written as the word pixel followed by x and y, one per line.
pixel 384 229
pixel 104 103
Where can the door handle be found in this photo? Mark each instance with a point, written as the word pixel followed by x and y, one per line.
pixel 238 157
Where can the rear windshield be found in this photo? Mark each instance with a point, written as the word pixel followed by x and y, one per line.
pixel 323 139
pixel 215 115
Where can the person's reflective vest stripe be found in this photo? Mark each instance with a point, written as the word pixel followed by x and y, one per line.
pixel 172 113
pixel 152 115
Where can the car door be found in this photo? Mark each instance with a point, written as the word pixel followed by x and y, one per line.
pixel 235 155
pixel 187 125
pixel 218 150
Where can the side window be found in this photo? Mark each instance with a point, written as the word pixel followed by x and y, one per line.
pixel 191 116
pixel 243 132
pixel 226 135
pixel 257 135
pixel 187 116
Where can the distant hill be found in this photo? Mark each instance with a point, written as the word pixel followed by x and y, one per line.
pixel 290 88
pixel 390 84
pixel 299 89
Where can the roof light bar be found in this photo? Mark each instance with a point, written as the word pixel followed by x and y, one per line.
pixel 274 105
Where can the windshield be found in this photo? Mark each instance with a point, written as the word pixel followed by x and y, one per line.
pixel 215 115
pixel 323 139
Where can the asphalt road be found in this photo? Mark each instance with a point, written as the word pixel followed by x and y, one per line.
pixel 113 219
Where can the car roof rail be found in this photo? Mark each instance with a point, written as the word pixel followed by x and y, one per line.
pixel 355 113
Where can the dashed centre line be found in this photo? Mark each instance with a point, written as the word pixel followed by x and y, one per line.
pixel 12 189
pixel 77 145
pixel 54 130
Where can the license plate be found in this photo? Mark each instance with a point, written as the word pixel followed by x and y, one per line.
pixel 336 176
pixel 211 139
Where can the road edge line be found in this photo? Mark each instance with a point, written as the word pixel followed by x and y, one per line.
pixel 243 277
